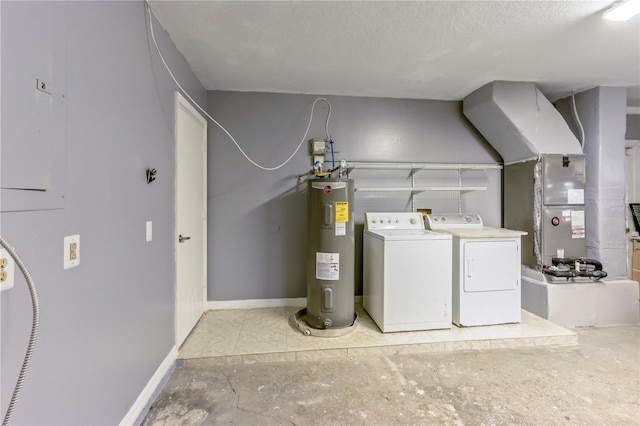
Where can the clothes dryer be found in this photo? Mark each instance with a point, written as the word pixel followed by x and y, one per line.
pixel 486 269
pixel 407 273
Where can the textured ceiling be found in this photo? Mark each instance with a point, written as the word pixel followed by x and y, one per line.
pixel 423 49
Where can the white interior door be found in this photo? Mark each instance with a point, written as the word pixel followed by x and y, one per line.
pixel 191 217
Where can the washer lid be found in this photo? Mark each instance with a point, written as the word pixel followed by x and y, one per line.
pixel 407 234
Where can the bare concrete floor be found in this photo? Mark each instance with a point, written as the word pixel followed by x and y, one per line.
pixel 594 383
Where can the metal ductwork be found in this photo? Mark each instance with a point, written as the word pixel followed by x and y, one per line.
pixel 519 122
pixel 544 173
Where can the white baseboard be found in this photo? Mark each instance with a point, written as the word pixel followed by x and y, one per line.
pixel 256 303
pixel 150 389
pixel 212 305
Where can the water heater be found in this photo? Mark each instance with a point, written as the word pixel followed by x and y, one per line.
pixel 330 254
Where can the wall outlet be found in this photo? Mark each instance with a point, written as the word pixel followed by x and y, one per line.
pixel 7 270
pixel 71 251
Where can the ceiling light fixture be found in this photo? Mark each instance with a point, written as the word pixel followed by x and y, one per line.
pixel 623 10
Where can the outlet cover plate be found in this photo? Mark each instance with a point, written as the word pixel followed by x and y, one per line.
pixel 71 251
pixel 9 269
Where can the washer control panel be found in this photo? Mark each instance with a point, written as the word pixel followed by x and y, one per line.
pixel 400 220
pixel 453 220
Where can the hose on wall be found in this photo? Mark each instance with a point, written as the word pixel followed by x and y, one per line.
pixel 34 330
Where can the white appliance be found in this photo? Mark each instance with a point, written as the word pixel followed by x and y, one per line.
pixel 406 286
pixel 486 269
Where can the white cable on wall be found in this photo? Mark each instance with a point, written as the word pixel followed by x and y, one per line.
pixel 153 38
pixel 575 114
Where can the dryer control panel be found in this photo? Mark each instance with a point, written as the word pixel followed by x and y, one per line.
pixel 402 220
pixel 453 220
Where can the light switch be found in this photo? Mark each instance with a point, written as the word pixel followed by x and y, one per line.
pixel 149 231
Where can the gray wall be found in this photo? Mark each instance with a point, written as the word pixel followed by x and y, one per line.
pixel 602 113
pixel 633 127
pixel 257 219
pixel 107 324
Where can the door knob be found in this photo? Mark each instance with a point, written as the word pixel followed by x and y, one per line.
pixel 182 239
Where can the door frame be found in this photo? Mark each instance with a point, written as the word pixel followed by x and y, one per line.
pixel 180 100
pixel 631 149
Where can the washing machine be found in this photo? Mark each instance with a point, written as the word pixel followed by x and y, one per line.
pixel 407 273
pixel 486 269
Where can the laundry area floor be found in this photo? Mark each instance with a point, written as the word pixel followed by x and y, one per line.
pixel 249 367
pixel 245 336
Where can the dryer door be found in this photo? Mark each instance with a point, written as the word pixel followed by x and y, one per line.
pixel 490 265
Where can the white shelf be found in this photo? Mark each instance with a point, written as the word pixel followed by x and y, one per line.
pixel 415 169
pixel 420 166
pixel 423 189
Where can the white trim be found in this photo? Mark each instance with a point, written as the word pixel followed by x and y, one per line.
pixel 182 101
pixel 255 303
pixel 213 305
pixel 149 390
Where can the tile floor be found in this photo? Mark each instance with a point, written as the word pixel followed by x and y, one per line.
pixel 245 336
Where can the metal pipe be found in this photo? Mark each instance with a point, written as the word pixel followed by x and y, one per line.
pixel 34 330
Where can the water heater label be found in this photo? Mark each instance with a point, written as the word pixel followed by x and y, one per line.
pixel 328 266
pixel 341 229
pixel 342 211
